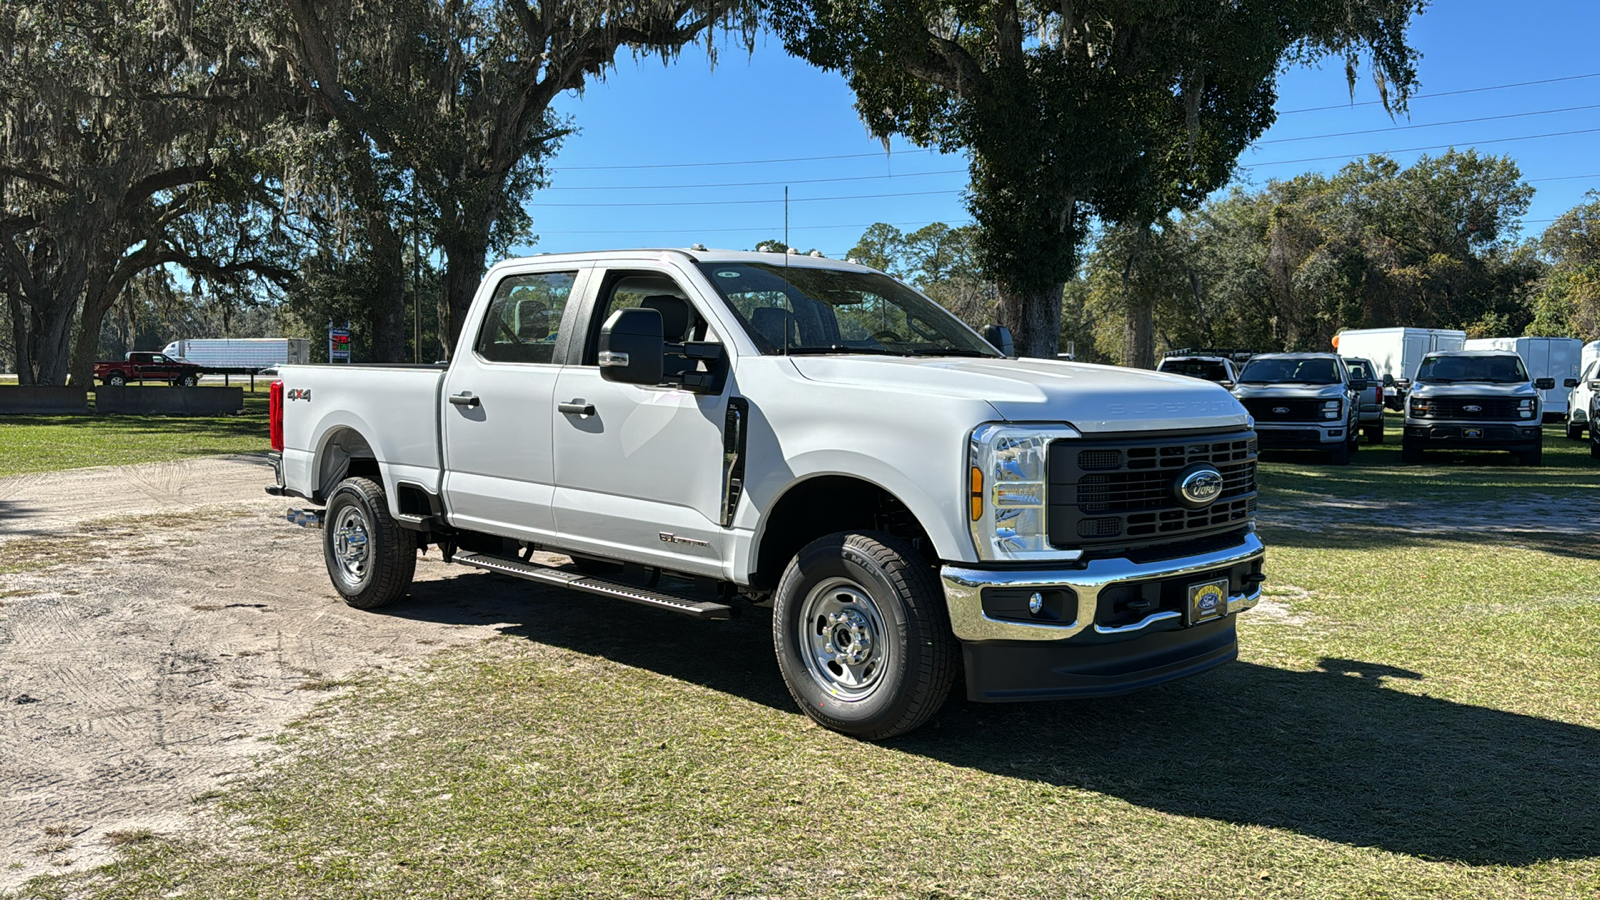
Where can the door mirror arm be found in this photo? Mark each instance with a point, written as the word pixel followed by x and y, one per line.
pixel 709 352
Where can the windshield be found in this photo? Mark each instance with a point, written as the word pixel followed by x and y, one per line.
pixel 1359 369
pixel 1491 369
pixel 1209 369
pixel 1288 370
pixel 796 310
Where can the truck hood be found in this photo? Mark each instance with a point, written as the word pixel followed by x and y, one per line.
pixel 1288 391
pixel 1091 398
pixel 1474 389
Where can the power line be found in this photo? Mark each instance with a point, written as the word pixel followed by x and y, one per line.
pixel 1316 137
pixel 740 202
pixel 1477 90
pixel 920 150
pixel 747 230
pixel 745 162
pixel 1563 178
pixel 733 184
pixel 1529 137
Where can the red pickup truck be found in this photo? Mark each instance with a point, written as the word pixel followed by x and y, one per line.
pixel 142 365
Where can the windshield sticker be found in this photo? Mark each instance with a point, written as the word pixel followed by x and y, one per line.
pixel 727 274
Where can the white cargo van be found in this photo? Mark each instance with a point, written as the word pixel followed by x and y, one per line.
pixel 1396 353
pixel 1545 357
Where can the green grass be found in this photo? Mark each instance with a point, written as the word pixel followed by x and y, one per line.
pixel 51 443
pixel 1415 714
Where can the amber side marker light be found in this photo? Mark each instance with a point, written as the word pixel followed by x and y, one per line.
pixel 977 494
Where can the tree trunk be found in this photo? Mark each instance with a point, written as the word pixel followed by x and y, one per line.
pixel 464 238
pixel 1034 319
pixel 1139 332
pixel 389 328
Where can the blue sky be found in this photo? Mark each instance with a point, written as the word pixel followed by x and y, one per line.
pixel 667 156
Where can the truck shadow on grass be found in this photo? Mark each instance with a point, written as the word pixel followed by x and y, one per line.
pixel 1336 753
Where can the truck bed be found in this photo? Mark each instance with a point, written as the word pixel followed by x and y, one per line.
pixel 395 407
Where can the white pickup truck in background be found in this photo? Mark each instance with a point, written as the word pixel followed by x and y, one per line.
pixel 702 429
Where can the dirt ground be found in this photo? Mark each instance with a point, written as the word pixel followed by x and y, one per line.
pixel 158 623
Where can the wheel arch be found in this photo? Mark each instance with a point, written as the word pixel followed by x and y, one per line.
pixel 343 451
pixel 822 504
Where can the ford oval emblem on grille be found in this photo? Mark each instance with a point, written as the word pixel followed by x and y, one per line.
pixel 1281 410
pixel 1472 407
pixel 1198 486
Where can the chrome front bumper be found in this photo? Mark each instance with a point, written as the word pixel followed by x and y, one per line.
pixel 963 592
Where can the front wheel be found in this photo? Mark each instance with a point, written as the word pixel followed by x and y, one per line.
pixel 188 381
pixel 1374 434
pixel 1410 454
pixel 1340 455
pixel 1534 457
pixel 370 558
pixel 862 636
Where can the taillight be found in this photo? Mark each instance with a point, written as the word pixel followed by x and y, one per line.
pixel 275 416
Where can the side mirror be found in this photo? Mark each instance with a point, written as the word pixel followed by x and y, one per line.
pixel 631 347
pixel 1544 384
pixel 1570 382
pixel 1595 385
pixel 1388 380
pixel 999 337
pixel 1226 384
pixel 1403 384
pixel 1359 384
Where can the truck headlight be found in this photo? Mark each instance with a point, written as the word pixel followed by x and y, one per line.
pixel 1527 408
pixel 1331 408
pixel 1007 489
pixel 1421 408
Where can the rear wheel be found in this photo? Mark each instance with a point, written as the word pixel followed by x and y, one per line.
pixel 370 558
pixel 862 636
pixel 1574 431
pixel 116 379
pixel 1375 433
pixel 1594 440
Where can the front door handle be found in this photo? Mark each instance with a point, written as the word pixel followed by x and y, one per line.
pixel 467 399
pixel 578 407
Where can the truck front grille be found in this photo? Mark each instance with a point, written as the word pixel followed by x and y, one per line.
pixel 1267 410
pixel 1123 493
pixel 1487 408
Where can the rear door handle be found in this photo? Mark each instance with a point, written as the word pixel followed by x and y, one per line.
pixel 578 407
pixel 467 399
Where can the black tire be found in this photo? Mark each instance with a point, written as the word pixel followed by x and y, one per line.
pixel 369 557
pixel 1375 434
pixel 188 381
pixel 1340 455
pixel 1594 442
pixel 116 379
pixel 1574 432
pixel 1410 454
pixel 1534 457
pixel 873 586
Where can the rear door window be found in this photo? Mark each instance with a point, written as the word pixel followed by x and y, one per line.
pixel 524 318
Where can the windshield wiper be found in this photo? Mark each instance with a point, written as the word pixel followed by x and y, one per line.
pixel 864 351
pixel 951 351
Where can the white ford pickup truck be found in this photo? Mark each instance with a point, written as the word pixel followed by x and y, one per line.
pixel 699 430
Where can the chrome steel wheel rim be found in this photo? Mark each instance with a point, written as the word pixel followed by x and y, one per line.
pixel 846 649
pixel 351 545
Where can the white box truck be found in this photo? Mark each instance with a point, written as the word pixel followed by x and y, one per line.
pixel 242 353
pixel 1545 357
pixel 1396 353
